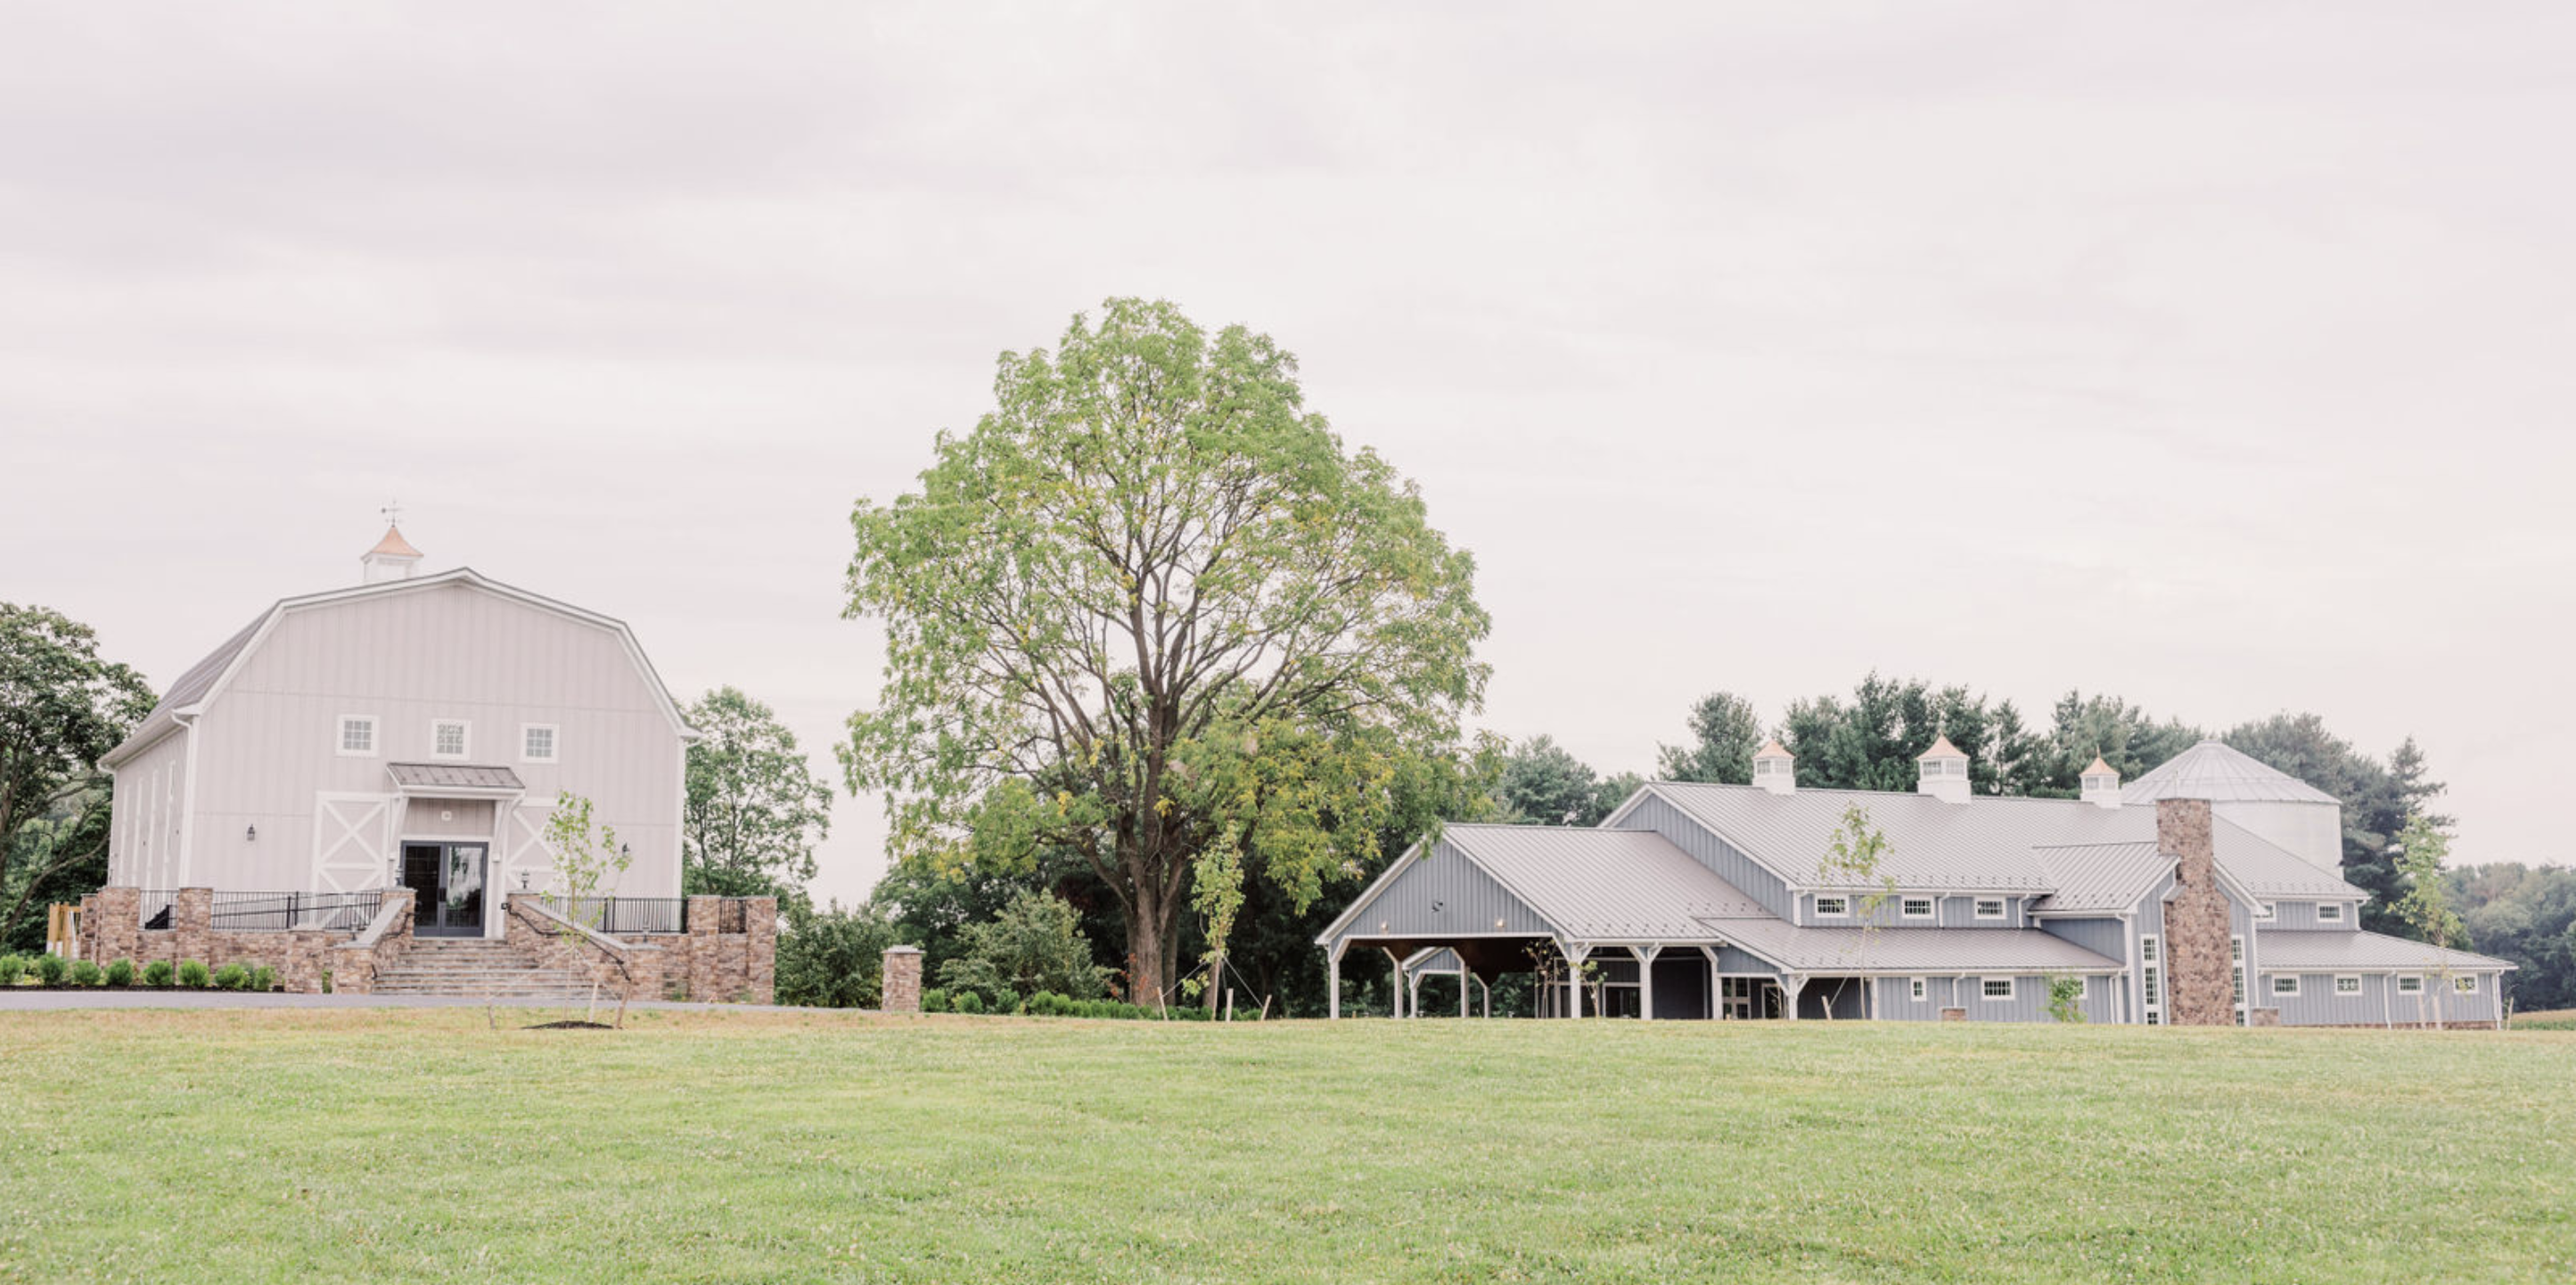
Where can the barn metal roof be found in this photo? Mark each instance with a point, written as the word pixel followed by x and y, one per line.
pixel 2101 876
pixel 2327 950
pixel 1604 884
pixel 2221 773
pixel 1939 950
pixel 1980 846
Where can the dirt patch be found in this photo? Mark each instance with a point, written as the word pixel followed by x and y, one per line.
pixel 570 1026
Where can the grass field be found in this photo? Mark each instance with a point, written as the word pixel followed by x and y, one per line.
pixel 2562 1019
pixel 383 1145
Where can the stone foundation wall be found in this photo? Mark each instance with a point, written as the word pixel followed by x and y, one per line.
pixel 2199 970
pixel 111 929
pixel 729 955
pixel 636 972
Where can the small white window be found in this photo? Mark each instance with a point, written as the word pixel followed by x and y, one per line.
pixel 1915 989
pixel 537 743
pixel 447 738
pixel 358 735
pixel 2147 949
pixel 1996 988
pixel 2285 983
pixel 1767 767
pixel 1916 907
pixel 2329 912
pixel 2410 984
pixel 2266 911
pixel 2465 984
pixel 1832 907
pixel 2347 984
pixel 1990 907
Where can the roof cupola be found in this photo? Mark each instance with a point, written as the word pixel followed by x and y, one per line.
pixel 2101 784
pixel 393 558
pixel 1943 772
pixel 1775 768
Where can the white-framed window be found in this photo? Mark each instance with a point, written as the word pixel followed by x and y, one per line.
pixel 2465 984
pixel 1990 907
pixel 2266 912
pixel 448 738
pixel 1832 907
pixel 1770 767
pixel 1995 988
pixel 538 743
pixel 2084 988
pixel 2329 912
pixel 2236 970
pixel 2151 976
pixel 2285 983
pixel 2410 984
pixel 1916 988
pixel 358 735
pixel 1915 907
pixel 2101 781
pixel 2347 984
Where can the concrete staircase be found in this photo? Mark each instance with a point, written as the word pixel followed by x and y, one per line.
pixel 480 968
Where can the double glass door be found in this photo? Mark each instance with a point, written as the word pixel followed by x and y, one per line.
pixel 446 880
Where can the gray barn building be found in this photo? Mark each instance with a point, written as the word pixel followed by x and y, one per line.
pixel 2205 893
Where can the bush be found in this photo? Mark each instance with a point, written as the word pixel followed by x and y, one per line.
pixel 50 969
pixel 157 973
pixel 86 973
pixel 934 1000
pixel 193 975
pixel 263 978
pixel 11 969
pixel 833 958
pixel 232 977
pixel 121 973
pixel 1033 944
pixel 968 1002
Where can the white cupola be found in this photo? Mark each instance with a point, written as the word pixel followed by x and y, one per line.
pixel 393 558
pixel 2101 784
pixel 1775 768
pixel 1943 772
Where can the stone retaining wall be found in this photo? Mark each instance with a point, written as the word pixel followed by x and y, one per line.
pixel 111 928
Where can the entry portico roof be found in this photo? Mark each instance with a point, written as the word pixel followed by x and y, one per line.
pixel 439 778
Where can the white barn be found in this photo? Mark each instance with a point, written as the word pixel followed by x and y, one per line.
pixel 411 731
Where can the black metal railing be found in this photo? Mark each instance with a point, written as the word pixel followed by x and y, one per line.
pixel 281 911
pixel 160 909
pixel 617 916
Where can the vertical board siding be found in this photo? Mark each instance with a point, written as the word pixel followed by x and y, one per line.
pixel 1731 960
pixel 454 651
pixel 2301 916
pixel 1948 911
pixel 2108 938
pixel 1721 857
pixel 2028 1004
pixel 2312 832
pixel 2316 1004
pixel 1469 899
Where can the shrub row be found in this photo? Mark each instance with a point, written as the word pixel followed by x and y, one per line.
pixel 54 970
pixel 1050 1004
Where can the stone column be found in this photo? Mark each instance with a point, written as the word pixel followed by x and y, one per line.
pixel 705 915
pixel 2199 966
pixel 902 980
pixel 760 959
pixel 193 918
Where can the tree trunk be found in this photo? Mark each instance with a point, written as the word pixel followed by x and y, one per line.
pixel 1147 948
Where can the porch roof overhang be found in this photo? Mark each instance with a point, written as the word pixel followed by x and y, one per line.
pixel 455 780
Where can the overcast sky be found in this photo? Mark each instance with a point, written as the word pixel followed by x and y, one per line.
pixel 2215 359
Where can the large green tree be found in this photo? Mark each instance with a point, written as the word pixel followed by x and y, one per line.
pixel 1149 607
pixel 1725 733
pixel 755 810
pixel 61 708
pixel 1541 782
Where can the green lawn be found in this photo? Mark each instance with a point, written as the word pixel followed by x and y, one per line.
pixel 388 1145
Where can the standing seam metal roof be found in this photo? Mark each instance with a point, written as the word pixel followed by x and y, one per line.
pixel 1596 884
pixel 2221 773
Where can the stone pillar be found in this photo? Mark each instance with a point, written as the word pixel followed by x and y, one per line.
pixel 902 980
pixel 705 918
pixel 2199 970
pixel 760 959
pixel 192 918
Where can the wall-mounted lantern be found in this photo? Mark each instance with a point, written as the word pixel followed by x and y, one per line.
pixel 250 834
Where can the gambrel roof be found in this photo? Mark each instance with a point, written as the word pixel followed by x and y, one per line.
pixel 203 682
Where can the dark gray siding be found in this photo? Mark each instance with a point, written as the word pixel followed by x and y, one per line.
pixel 1469 900
pixel 2108 938
pixel 1949 912
pixel 2029 1002
pixel 1652 813
pixel 2301 916
pixel 1732 960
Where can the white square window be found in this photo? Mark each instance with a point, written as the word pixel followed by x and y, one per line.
pixel 2147 950
pixel 1996 988
pixel 358 735
pixel 2329 912
pixel 1833 907
pixel 1915 989
pixel 1990 907
pixel 537 743
pixel 2285 983
pixel 2347 984
pixel 1916 907
pixel 2410 985
pixel 447 738
pixel 2084 988
pixel 2465 984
